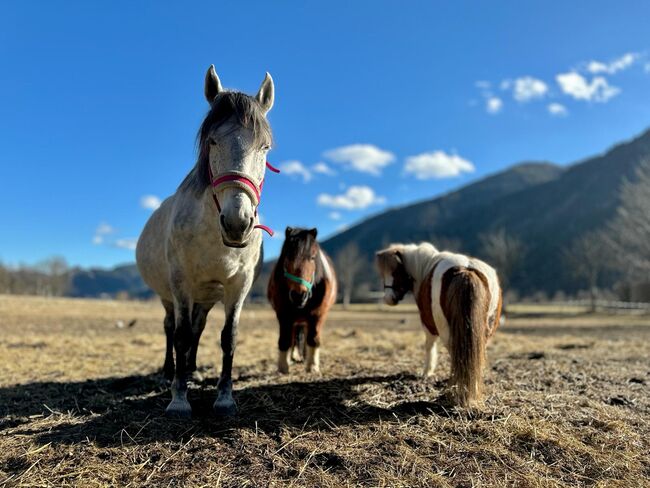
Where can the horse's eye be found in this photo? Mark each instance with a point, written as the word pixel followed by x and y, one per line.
pixel 266 147
pixel 313 258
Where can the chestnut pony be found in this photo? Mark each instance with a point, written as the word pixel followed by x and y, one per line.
pixel 459 299
pixel 302 289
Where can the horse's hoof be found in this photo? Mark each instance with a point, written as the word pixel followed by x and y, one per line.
pixel 225 409
pixel 178 410
pixel 283 369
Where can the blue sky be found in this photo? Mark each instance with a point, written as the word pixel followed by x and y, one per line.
pixel 377 104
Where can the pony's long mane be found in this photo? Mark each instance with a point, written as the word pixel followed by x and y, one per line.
pixel 419 259
pixel 247 112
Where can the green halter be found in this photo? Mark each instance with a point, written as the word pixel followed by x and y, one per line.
pixel 298 279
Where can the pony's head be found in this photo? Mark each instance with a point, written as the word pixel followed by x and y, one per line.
pixel 397 282
pixel 298 261
pixel 233 142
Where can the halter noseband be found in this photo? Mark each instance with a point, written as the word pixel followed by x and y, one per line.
pixel 307 284
pixel 237 179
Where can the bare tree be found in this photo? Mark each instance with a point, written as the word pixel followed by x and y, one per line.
pixel 504 252
pixel 348 264
pixel 442 243
pixel 587 259
pixel 55 279
pixel 629 231
pixel 5 279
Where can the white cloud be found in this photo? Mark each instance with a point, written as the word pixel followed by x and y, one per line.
pixel 557 109
pixel 618 64
pixel 493 105
pixel 528 88
pixel 365 158
pixel 335 215
pixel 102 230
pixel 354 198
pixel 296 168
pixel 646 68
pixel 483 84
pixel 576 86
pixel 323 169
pixel 437 164
pixel 126 243
pixel 150 202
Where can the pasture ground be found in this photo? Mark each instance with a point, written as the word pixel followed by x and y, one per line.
pixel 81 403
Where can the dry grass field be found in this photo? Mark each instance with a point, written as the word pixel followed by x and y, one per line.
pixel 81 403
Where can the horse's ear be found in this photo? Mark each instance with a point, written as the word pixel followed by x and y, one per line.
pixel 288 232
pixel 212 84
pixel 313 232
pixel 398 257
pixel 266 93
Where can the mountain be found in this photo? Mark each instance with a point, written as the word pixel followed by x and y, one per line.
pixel 96 282
pixel 544 206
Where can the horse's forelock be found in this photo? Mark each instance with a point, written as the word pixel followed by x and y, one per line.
pixel 247 112
pixel 387 260
pixel 299 243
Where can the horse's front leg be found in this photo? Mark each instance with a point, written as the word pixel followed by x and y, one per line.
pixel 312 361
pixel 285 342
pixel 233 301
pixel 179 407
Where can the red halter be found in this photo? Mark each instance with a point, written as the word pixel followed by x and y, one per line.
pixel 240 180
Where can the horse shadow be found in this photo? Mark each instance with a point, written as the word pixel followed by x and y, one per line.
pixel 125 410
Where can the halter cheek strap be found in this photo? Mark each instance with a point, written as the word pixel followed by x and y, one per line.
pixel 237 179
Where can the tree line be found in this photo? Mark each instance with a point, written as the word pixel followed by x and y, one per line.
pixel 50 277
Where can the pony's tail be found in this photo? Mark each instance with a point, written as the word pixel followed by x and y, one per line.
pixel 466 306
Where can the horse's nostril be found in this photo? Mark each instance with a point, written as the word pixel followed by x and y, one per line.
pixel 250 224
pixel 222 219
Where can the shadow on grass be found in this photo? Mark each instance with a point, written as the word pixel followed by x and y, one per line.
pixel 129 410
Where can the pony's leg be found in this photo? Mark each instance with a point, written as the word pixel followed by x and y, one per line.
pixel 430 353
pixel 312 361
pixel 234 297
pixel 199 317
pixel 179 407
pixel 285 343
pixel 168 368
pixel 297 349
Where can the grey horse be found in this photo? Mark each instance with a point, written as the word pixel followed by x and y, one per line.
pixel 203 244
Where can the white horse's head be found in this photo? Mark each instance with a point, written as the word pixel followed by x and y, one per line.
pixel 234 140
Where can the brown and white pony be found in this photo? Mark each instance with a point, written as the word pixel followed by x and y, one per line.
pixel 459 299
pixel 302 289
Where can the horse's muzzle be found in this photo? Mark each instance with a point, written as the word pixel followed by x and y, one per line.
pixel 236 234
pixel 298 298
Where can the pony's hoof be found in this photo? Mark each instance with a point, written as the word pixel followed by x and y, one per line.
pixel 225 408
pixel 283 369
pixel 313 368
pixel 178 410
